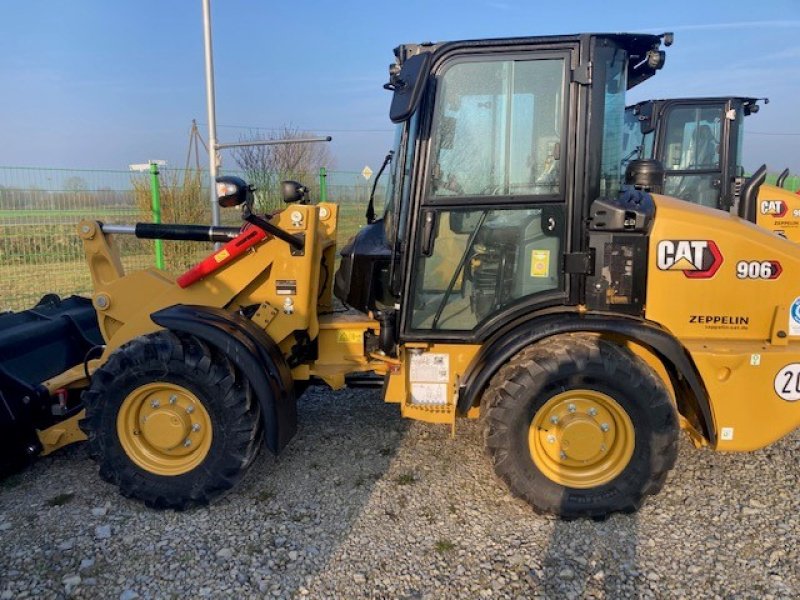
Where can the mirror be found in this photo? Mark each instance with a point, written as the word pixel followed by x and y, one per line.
pixel 645 116
pixel 407 86
pixel 233 191
pixel 294 192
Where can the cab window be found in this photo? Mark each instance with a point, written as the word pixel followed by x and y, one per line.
pixel 498 129
pixel 692 141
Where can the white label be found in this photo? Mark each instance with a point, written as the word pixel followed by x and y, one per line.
pixel 755 360
pixel 787 382
pixel 794 317
pixel 726 434
pixel 428 367
pixel 429 393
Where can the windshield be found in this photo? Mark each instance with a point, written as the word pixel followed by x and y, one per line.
pixel 391 184
pixel 398 188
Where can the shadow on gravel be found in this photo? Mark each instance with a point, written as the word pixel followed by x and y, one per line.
pixel 306 501
pixel 268 537
pixel 604 565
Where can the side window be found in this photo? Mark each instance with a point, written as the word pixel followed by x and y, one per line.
pixel 498 129
pixel 484 260
pixel 693 138
pixel 613 159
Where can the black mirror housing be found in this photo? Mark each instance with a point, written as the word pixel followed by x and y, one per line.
pixel 407 85
pixel 232 191
pixel 294 192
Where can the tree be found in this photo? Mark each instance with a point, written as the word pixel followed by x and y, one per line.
pixel 75 184
pixel 266 166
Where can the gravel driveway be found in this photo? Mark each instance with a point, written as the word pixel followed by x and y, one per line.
pixel 364 504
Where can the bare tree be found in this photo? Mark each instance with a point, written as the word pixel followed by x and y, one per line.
pixel 266 166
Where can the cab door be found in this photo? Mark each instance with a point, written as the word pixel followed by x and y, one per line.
pixel 490 232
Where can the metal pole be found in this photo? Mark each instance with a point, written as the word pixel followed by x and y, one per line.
pixel 212 117
pixel 156 208
pixel 323 184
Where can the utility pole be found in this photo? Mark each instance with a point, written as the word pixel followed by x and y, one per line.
pixel 212 113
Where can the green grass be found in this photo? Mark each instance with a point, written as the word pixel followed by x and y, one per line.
pixel 444 546
pixel 406 479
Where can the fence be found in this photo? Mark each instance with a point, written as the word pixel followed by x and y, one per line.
pixel 40 251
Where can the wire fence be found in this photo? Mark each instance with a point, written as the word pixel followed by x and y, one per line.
pixel 40 251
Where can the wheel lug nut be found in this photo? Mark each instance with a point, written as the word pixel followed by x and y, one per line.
pixel 173 399
pixel 554 420
pixel 187 442
pixel 551 439
pixel 604 427
pixel 603 448
pixel 190 409
pixel 196 427
pixel 592 412
pixel 155 404
pixel 571 408
pixel 563 455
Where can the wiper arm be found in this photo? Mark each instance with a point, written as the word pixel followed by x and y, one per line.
pixel 371 206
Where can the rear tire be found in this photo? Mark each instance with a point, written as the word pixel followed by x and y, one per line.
pixel 580 427
pixel 171 422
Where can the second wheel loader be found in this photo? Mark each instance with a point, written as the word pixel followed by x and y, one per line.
pixel 699 141
pixel 508 279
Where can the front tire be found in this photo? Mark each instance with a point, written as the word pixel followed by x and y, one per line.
pixel 171 422
pixel 580 427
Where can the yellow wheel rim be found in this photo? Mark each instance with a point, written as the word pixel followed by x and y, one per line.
pixel 581 439
pixel 164 428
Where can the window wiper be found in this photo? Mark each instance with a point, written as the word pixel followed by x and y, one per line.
pixel 371 206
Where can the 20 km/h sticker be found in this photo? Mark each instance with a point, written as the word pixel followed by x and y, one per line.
pixel 787 382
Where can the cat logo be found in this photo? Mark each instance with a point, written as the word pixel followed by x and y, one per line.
pixel 776 208
pixel 697 259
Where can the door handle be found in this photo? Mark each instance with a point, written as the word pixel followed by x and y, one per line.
pixel 428 230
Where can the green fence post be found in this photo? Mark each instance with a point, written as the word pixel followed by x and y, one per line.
pixel 156 210
pixel 323 184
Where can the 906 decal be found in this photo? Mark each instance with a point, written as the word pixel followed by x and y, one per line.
pixel 697 259
pixel 758 269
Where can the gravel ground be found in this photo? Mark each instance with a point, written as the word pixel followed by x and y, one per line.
pixel 364 504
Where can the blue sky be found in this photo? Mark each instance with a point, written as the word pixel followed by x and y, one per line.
pixel 93 84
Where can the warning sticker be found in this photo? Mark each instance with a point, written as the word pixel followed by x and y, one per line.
pixel 428 393
pixel 429 367
pixel 540 263
pixel 221 255
pixel 286 287
pixel 347 336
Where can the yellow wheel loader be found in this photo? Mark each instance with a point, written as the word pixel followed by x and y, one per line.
pixel 511 279
pixel 699 142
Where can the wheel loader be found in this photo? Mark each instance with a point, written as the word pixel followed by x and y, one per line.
pixel 699 142
pixel 510 279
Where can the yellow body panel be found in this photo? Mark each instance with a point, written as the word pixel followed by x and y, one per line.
pixel 729 322
pixel 425 382
pixel 779 211
pixel 124 304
